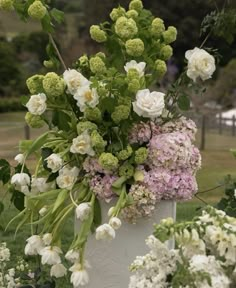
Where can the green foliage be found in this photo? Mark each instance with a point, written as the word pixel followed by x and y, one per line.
pixel 5 171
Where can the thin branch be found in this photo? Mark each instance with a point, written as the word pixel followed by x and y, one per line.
pixel 207 37
pixel 211 189
pixel 57 51
pixel 200 199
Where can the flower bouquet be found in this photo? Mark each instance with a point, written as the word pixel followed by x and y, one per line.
pixel 111 138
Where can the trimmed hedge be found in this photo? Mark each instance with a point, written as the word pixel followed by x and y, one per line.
pixel 11 105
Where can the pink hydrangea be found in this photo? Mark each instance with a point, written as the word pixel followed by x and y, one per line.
pixel 102 186
pixel 92 166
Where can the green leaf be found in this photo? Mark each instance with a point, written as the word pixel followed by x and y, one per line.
pixel 57 15
pixel 5 171
pixel 37 144
pixel 97 219
pixel 184 102
pixel 18 199
pixel 47 24
pixel 24 145
pixel 1 207
pixel 61 120
pixel 60 199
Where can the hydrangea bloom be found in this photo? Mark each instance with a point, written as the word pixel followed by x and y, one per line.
pixel 101 186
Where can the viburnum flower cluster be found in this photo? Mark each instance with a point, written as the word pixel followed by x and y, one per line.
pixel 112 136
pixel 205 255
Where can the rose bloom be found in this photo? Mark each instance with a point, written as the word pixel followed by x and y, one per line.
pixel 67 177
pixel 74 80
pixel 86 97
pixel 83 211
pixel 149 104
pixel 82 145
pixel 37 104
pixel 200 64
pixel 140 67
pixel 54 162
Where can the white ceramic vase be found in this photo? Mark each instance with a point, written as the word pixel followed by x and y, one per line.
pixel 110 260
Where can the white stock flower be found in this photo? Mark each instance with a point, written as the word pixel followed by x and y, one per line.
pixel 39 185
pixel 83 211
pixel 79 276
pixel 37 104
pixel 72 256
pixel 34 245
pixel 82 144
pixel 50 255
pixel 105 232
pixel 47 239
pixel 86 97
pixel 74 80
pixel 200 64
pixel 58 270
pixel 149 104
pixel 54 162
pixel 20 158
pixel 140 67
pixel 67 177
pixel 115 223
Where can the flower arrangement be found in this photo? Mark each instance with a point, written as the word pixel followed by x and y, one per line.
pixel 110 135
pixel 205 255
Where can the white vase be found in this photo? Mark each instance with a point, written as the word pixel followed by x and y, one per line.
pixel 110 260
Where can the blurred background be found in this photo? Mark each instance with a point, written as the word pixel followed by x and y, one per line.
pixel 22 51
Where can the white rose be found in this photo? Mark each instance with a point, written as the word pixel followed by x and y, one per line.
pixel 34 245
pixel 86 97
pixel 37 104
pixel 149 104
pixel 82 144
pixel 200 64
pixel 39 185
pixel 115 223
pixel 21 182
pixel 105 232
pixel 50 255
pixel 54 162
pixel 140 67
pixel 79 276
pixel 83 211
pixel 20 158
pixel 74 80
pixel 67 177
pixel 58 270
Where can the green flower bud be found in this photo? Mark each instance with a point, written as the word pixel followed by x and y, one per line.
pixel 126 28
pixel 141 155
pixel 126 170
pixel 86 125
pixel 37 10
pixel 132 74
pixel 48 64
pixel 121 113
pixel 101 55
pixel 97 142
pixel 132 14
pixel 34 121
pixel 134 47
pixel 35 84
pixel 125 154
pixel 157 27
pixel 160 67
pixel 97 65
pixel 53 84
pixel 166 52
pixel 136 5
pixel 134 86
pixel 97 34
pixel 138 176
pixel 170 35
pixel 84 61
pixel 102 91
pixel 93 114
pixel 116 13
pixel 108 161
pixel 6 4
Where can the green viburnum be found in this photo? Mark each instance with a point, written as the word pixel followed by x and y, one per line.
pixel 160 67
pixel 34 121
pixel 136 5
pixel 126 28
pixel 86 125
pixel 125 153
pixel 170 35
pixel 101 55
pixel 121 113
pixel 134 47
pixel 37 10
pixel 132 74
pixel 98 143
pixel 166 52
pixel 132 14
pixel 97 65
pixel 6 4
pixel 126 170
pixel 97 34
pixel 84 61
pixel 134 86
pixel 141 155
pixel 93 114
pixel 108 161
pixel 48 64
pixel 35 84
pixel 124 100
pixel 116 13
pixel 53 84
pixel 157 27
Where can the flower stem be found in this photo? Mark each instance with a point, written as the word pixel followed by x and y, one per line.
pixel 57 51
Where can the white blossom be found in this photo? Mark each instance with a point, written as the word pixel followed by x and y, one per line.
pixel 86 97
pixel 83 211
pixel 50 255
pixel 149 104
pixel 43 211
pixel 54 162
pixel 58 270
pixel 72 256
pixel 39 185
pixel 37 104
pixel 140 67
pixel 47 239
pixel 115 223
pixel 79 276
pixel 105 232
pixel 82 145
pixel 20 158
pixel 74 80
pixel 34 245
pixel 67 177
